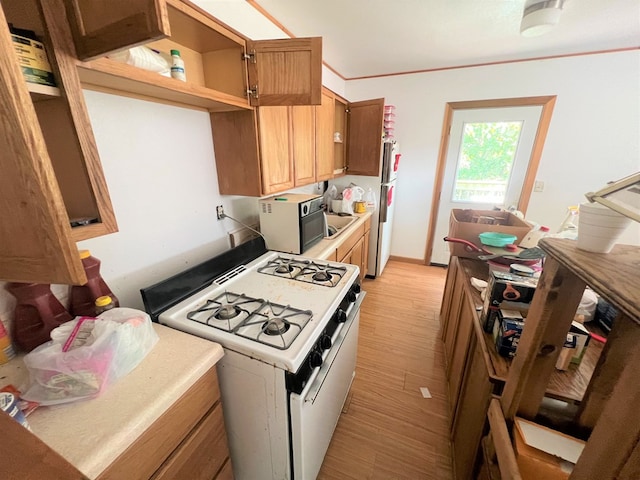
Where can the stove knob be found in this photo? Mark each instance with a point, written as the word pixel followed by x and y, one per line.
pixel 356 288
pixel 325 342
pixel 315 359
pixel 351 296
pixel 340 316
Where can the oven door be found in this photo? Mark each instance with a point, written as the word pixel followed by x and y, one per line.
pixel 315 411
pixel 311 230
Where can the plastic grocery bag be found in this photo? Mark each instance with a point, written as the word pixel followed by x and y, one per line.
pixel 86 355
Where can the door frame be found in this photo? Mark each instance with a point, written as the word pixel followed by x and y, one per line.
pixel 546 102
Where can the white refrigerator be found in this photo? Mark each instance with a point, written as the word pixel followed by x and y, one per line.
pixel 384 187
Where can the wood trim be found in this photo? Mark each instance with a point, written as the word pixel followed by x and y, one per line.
pixel 437 187
pixel 488 64
pixel 547 103
pixel 416 261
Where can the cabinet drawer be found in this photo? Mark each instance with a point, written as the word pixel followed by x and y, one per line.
pixel 348 244
pixel 155 445
pixel 202 454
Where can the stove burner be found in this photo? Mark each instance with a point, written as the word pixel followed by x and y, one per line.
pixel 275 326
pixel 322 276
pixel 225 312
pixel 325 274
pixel 284 269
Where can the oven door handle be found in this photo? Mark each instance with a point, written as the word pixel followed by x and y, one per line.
pixel 312 389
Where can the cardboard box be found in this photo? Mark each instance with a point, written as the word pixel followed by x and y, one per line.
pixel 582 340
pixel 543 453
pixel 467 224
pixel 503 287
pixel 507 332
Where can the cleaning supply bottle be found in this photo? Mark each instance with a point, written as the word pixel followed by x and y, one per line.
pixel 37 312
pixel 103 304
pixel 177 66
pixel 83 297
pixel 6 349
pixel 569 227
pixel 533 237
pixel 370 200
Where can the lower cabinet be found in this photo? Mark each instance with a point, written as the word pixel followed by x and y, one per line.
pixel 355 249
pixel 188 441
pixel 471 385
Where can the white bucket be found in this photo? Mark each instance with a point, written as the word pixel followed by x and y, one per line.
pixel 599 227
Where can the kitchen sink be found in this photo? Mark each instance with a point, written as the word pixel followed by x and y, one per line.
pixel 338 224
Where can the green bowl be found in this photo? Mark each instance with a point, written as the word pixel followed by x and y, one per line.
pixel 495 239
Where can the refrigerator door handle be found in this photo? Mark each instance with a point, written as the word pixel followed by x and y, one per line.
pixel 384 204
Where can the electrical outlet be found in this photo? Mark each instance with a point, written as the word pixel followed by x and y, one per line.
pixel 538 186
pixel 220 212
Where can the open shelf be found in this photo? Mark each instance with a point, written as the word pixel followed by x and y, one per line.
pixel 42 92
pixel 110 75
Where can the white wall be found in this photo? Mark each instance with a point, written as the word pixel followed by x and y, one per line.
pixel 593 136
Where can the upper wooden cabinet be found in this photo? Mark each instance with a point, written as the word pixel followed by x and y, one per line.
pixel 51 171
pixel 303 141
pixel 364 149
pixel 225 70
pixel 99 27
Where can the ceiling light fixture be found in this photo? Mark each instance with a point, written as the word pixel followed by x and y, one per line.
pixel 540 16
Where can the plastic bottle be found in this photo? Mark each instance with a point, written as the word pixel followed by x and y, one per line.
pixel 569 227
pixel 533 237
pixel 177 66
pixel 6 349
pixel 103 304
pixel 83 297
pixel 37 312
pixel 370 200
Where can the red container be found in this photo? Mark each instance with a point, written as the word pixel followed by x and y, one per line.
pixel 37 312
pixel 83 297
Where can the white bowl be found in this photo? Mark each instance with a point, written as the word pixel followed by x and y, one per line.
pixel 598 209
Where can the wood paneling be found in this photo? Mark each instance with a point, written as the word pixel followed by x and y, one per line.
pixel 387 429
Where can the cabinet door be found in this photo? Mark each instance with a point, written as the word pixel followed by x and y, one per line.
pixel 100 27
pixel 35 233
pixel 364 151
pixel 340 144
pixel 357 255
pixel 275 149
pixel 470 414
pixel 286 72
pixel 303 126
pixel 324 138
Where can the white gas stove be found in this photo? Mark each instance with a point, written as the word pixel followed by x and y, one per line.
pixel 289 328
pixel 272 309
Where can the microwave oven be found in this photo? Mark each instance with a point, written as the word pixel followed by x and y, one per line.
pixel 292 222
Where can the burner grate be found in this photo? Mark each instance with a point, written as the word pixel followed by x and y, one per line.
pixel 308 271
pixel 275 325
pixel 226 311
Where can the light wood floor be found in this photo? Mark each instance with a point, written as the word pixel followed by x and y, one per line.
pixel 387 429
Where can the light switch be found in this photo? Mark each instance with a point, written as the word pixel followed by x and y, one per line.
pixel 538 186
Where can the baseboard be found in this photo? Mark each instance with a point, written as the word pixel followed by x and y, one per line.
pixel 417 261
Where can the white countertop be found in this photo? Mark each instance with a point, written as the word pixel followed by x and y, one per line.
pixel 325 247
pixel 91 434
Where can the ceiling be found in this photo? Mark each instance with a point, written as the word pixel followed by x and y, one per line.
pixel 380 37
